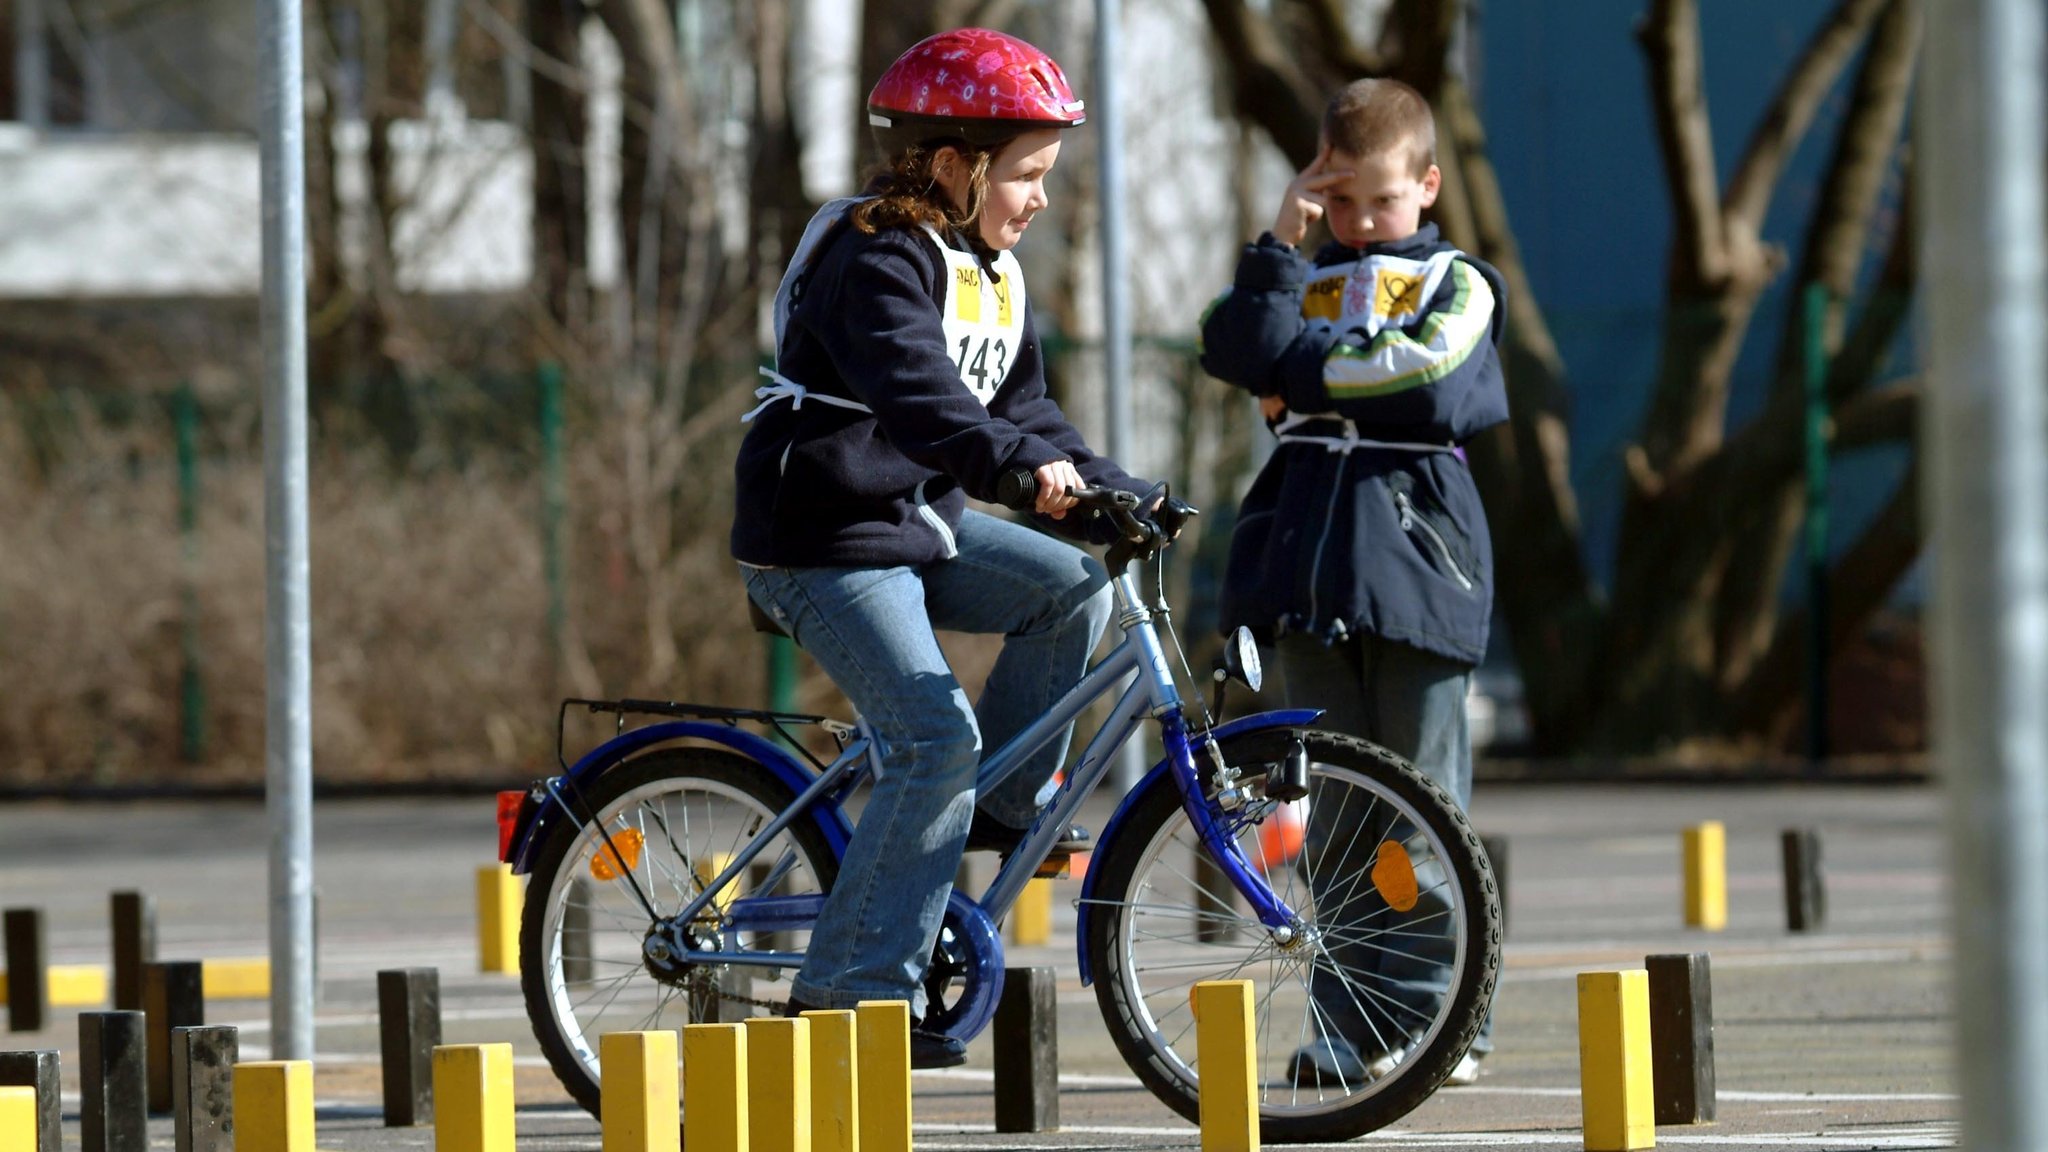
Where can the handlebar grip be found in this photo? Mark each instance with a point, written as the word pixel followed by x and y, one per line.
pixel 1017 489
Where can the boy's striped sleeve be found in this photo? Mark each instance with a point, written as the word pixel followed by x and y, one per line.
pixel 1396 361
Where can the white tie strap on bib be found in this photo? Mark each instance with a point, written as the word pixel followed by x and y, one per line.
pixel 1350 441
pixel 784 388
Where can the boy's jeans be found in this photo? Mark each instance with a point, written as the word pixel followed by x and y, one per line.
pixel 1412 703
pixel 871 631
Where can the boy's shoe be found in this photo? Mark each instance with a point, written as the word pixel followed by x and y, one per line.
pixel 1384 1066
pixel 927 1049
pixel 1466 1073
pixel 987 834
pixel 1330 1062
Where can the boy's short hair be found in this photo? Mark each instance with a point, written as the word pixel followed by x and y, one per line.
pixel 1369 117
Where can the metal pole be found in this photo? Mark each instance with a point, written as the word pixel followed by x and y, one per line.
pixel 31 64
pixel 287 621
pixel 1816 304
pixel 1107 110
pixel 1980 168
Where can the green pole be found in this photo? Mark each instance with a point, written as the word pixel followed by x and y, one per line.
pixel 191 684
pixel 781 650
pixel 553 504
pixel 1816 542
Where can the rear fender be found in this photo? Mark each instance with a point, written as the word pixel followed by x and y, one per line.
pixel 546 802
pixel 1161 777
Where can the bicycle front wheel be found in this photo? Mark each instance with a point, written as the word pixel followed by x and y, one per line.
pixel 674 819
pixel 1366 1009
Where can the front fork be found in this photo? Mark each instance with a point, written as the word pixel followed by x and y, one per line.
pixel 1215 829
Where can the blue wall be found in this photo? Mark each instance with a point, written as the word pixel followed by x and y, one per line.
pixel 1564 93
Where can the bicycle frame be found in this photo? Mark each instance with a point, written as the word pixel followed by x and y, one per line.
pixel 1151 693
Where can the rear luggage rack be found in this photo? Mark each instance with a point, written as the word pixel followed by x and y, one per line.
pixel 732 717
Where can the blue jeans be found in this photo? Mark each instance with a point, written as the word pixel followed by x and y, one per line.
pixel 1413 704
pixel 871 629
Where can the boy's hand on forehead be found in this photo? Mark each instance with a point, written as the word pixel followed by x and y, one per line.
pixel 1304 202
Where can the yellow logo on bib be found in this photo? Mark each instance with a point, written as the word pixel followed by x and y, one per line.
pixel 967 295
pixel 1323 299
pixel 1399 293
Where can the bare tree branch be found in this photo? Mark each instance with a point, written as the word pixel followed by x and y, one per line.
pixel 1670 37
pixel 1334 42
pixel 1792 112
pixel 1746 608
pixel 1271 91
pixel 1858 584
pixel 1864 150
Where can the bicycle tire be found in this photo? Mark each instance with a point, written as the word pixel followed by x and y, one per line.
pixel 709 802
pixel 1151 910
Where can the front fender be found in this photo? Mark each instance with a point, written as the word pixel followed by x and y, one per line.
pixel 779 761
pixel 1159 777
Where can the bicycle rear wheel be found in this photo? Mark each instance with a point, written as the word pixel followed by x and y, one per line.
pixel 1367 1010
pixel 676 818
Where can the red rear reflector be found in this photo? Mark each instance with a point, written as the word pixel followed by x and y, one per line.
pixel 508 822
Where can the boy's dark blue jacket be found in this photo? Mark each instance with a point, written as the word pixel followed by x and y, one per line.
pixel 827 486
pixel 1338 536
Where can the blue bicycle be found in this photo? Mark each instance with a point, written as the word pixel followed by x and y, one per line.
pixel 676 870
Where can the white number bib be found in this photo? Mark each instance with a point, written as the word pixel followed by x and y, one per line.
pixel 983 316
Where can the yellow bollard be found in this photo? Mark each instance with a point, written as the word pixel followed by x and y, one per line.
pixel 715 1087
pixel 75 985
pixel 18 1117
pixel 274 1106
pixel 240 978
pixel 1228 1051
pixel 473 1098
pixel 70 985
pixel 709 865
pixel 640 1092
pixel 835 1081
pixel 1031 918
pixel 883 1053
pixel 779 1084
pixel 497 919
pixel 1706 876
pixel 1614 1061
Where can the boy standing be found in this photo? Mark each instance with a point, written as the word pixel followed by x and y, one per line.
pixel 1361 550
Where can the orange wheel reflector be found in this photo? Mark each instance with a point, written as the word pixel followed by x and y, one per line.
pixel 1394 876
pixel 619 857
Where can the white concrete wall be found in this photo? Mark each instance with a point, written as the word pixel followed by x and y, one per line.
pixel 160 215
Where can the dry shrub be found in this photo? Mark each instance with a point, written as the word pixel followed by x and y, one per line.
pixel 431 653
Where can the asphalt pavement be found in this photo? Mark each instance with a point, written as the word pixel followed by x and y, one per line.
pixel 1832 1039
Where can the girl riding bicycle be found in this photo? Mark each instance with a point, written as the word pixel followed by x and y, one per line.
pixel 908 377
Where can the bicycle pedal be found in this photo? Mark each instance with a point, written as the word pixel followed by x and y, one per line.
pixel 1053 867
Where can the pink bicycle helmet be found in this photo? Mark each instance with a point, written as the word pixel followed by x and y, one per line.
pixel 971 84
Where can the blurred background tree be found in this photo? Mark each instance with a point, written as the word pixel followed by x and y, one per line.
pixel 1689 641
pixel 543 234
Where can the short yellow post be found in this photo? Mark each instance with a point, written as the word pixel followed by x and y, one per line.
pixel 75 985
pixel 239 978
pixel 18 1117
pixel 1614 1061
pixel 473 1098
pixel 274 1106
pixel 70 985
pixel 779 1084
pixel 709 865
pixel 1228 1050
pixel 1706 876
pixel 641 1094
pixel 497 919
pixel 1031 918
pixel 883 1053
pixel 715 1088
pixel 835 1081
